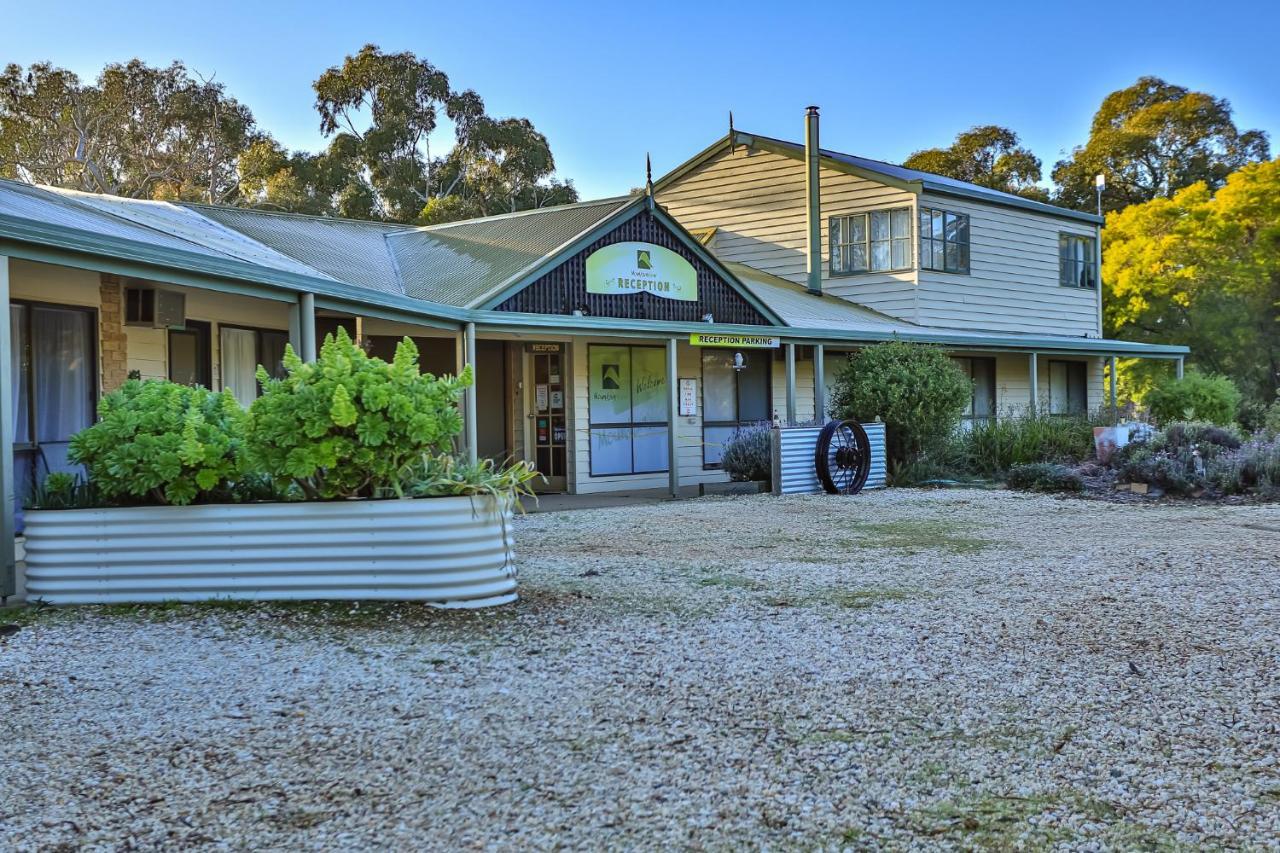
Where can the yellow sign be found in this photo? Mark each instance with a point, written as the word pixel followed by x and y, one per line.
pixel 700 339
pixel 622 268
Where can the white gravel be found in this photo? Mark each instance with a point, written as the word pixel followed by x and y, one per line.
pixel 900 669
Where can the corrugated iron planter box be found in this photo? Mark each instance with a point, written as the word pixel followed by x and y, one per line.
pixel 452 552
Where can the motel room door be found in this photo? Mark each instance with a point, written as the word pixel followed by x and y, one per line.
pixel 545 366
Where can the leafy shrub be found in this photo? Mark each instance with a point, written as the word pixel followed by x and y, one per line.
pixel 916 389
pixel 1209 438
pixel 1271 421
pixel 1178 471
pixel 1045 477
pixel 1253 467
pixel 1195 397
pixel 991 448
pixel 161 442
pixel 748 455
pixel 350 425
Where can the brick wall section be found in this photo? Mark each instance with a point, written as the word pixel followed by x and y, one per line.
pixel 112 343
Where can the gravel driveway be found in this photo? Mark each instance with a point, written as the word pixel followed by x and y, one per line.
pixel 901 669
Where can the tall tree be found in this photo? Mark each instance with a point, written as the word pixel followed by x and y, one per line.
pixel 987 155
pixel 138 131
pixel 1153 139
pixel 1203 269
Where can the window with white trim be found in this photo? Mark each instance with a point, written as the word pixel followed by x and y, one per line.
pixel 1078 261
pixel 876 241
pixel 944 241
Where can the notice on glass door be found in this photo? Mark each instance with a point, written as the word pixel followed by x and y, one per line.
pixel 540 395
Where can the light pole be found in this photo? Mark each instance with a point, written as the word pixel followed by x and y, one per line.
pixel 1101 183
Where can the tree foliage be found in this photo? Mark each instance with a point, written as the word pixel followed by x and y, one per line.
pixel 161 442
pixel 165 133
pixel 1203 269
pixel 987 155
pixel 138 131
pixel 1151 140
pixel 350 425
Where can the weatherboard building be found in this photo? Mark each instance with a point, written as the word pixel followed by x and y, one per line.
pixel 616 343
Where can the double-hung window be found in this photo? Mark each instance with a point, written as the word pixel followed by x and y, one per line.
pixel 877 241
pixel 242 350
pixel 944 240
pixel 1077 261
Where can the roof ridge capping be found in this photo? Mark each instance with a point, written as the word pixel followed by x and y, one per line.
pixel 879 169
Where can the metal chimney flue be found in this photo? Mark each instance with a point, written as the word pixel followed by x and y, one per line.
pixel 813 199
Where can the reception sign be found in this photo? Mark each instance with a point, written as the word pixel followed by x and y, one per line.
pixel 622 268
pixel 701 339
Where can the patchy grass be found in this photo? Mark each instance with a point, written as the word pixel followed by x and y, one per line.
pixel 861 599
pixel 913 537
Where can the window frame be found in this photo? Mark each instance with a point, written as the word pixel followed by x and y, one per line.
pixel 202 330
pixel 943 241
pixel 95 385
pixel 632 425
pixel 257 349
pixel 1082 369
pixel 833 247
pixel 1087 265
pixel 971 417
pixel 737 402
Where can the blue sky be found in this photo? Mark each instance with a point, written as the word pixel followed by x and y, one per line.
pixel 607 82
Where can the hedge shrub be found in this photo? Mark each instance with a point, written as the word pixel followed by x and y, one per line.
pixel 748 455
pixel 1195 397
pixel 916 389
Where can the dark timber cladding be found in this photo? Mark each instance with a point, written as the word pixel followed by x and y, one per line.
pixel 564 289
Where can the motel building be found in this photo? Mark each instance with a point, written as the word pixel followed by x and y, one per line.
pixel 616 344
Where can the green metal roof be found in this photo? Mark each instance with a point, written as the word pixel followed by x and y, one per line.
pixel 461 263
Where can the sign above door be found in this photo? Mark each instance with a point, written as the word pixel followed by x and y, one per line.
pixel 633 267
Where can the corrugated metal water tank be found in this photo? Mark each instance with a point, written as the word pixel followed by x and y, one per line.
pixel 795 448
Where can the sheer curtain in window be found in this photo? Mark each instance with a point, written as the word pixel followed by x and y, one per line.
pixel 239 363
pixel 62 352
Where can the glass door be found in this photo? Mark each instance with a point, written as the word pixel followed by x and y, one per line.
pixel 546 363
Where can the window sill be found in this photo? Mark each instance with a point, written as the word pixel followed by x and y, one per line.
pixel 833 274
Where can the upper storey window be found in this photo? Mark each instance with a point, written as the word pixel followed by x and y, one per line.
pixel 1077 261
pixel 944 240
pixel 876 241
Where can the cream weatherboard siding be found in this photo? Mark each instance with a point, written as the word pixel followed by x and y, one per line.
pixel 1013 389
pixel 1013 284
pixel 756 201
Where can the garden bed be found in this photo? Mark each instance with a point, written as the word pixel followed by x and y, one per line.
pixel 450 551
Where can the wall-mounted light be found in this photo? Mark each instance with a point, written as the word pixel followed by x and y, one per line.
pixel 708 318
pixel 739 361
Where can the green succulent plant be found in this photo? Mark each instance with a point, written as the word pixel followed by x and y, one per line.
pixel 161 442
pixel 350 425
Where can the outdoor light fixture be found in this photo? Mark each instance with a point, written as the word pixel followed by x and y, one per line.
pixel 1101 183
pixel 708 318
pixel 739 361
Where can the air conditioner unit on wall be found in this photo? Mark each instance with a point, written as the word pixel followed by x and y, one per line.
pixel 158 309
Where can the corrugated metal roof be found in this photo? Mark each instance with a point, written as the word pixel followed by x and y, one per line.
pixel 798 307
pixel 61 207
pixel 187 223
pixel 459 263
pixel 347 251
